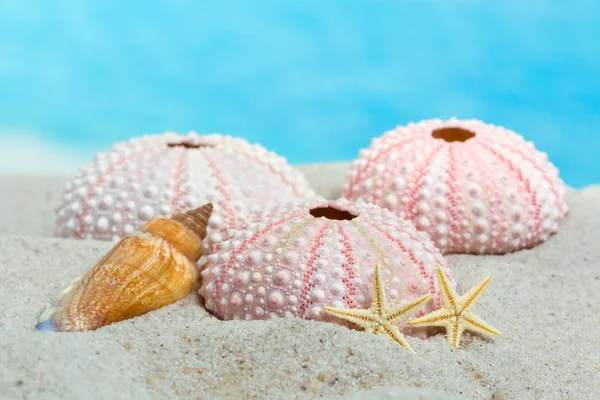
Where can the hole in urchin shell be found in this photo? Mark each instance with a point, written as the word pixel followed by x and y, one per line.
pixel 332 213
pixel 189 145
pixel 453 134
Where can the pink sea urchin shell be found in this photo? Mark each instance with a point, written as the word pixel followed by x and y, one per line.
pixel 474 187
pixel 291 259
pixel 161 175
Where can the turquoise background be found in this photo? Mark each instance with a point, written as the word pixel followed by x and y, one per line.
pixel 311 80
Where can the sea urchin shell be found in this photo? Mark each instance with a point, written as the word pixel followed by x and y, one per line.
pixel 291 259
pixel 474 187
pixel 160 175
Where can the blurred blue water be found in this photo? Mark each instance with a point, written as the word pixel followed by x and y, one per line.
pixel 312 80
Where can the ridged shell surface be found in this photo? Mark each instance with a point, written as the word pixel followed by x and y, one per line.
pixel 473 187
pixel 144 271
pixel 141 273
pixel 161 175
pixel 291 259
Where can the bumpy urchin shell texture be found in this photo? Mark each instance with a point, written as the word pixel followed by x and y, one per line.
pixel 291 259
pixel 474 187
pixel 161 175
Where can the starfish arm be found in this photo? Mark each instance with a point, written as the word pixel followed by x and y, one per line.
pixel 379 300
pixel 454 332
pixel 473 323
pixel 469 298
pixel 439 317
pixel 447 292
pixel 361 317
pixel 394 333
pixel 379 330
pixel 401 311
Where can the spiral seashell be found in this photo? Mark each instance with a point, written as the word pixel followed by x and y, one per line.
pixel 147 270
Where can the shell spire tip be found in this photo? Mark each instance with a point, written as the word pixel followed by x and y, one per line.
pixel 197 219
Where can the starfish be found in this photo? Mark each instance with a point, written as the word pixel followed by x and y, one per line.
pixel 456 315
pixel 380 319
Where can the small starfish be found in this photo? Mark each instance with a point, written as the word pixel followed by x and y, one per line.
pixel 380 319
pixel 455 314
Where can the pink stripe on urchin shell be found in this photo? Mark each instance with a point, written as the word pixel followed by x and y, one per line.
pixel 308 276
pixel 347 266
pixel 224 202
pixel 145 178
pixel 533 202
pixel 493 193
pixel 278 173
pixel 239 252
pixel 281 261
pixel 373 162
pixel 84 186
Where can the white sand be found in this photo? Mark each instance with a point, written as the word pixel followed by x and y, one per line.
pixel 27 204
pixel 542 300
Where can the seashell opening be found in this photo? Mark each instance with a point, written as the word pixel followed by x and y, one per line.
pixel 453 134
pixel 332 213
